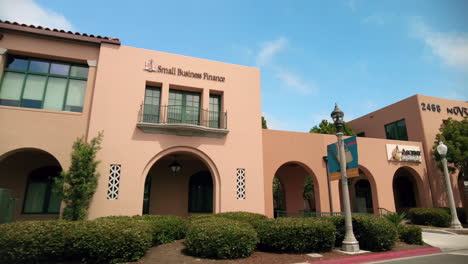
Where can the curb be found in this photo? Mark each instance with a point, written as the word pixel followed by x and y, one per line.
pixel 439 231
pixel 380 256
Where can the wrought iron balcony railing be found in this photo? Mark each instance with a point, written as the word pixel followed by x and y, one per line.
pixel 180 118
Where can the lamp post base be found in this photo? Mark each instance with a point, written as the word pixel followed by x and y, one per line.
pixel 456 225
pixel 350 246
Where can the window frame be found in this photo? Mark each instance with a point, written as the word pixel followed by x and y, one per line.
pixel 183 106
pixel 47 195
pixel 152 87
pixel 210 121
pixel 27 73
pixel 395 130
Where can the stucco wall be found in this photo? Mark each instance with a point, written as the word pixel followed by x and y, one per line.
pixel 307 149
pixel 120 88
pixel 421 126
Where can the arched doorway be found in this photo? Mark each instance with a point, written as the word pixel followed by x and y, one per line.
pixel 186 191
pixel 299 189
pixel 405 190
pixel 279 201
pixel 29 176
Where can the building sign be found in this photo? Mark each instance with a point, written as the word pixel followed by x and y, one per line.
pixel 403 153
pixel 151 67
pixel 457 110
pixel 351 154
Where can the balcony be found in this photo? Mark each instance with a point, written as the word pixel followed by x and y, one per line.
pixel 182 120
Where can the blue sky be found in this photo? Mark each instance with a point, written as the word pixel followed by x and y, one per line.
pixel 362 54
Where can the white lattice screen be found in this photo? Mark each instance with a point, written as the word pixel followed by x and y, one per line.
pixel 114 180
pixel 240 184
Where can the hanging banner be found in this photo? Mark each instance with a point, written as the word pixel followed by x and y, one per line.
pixel 351 154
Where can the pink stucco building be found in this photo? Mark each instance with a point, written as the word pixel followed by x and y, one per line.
pixel 161 111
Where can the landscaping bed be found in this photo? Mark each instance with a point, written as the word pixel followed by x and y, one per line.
pixel 175 253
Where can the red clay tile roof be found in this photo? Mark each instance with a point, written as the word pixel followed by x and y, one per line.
pixel 57 33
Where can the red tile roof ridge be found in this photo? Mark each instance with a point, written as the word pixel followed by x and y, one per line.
pixel 109 39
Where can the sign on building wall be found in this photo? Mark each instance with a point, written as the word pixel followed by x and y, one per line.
pixel 150 66
pixel 403 153
pixel 351 154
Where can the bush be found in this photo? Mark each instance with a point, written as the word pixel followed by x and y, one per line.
pixel 410 234
pixel 295 235
pixel 373 233
pixel 429 216
pixel 238 216
pixel 217 237
pixel 91 241
pixel 166 228
pixel 461 213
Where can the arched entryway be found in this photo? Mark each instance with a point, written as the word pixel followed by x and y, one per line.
pixel 189 189
pixel 405 190
pixel 299 188
pixel 28 174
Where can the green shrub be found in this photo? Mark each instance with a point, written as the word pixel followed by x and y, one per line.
pixel 429 216
pixel 373 233
pixel 217 237
pixel 461 213
pixel 24 242
pixel 295 235
pixel 90 241
pixel 242 216
pixel 395 218
pixel 410 234
pixel 166 228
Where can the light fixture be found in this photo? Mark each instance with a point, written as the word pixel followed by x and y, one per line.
pixel 175 166
pixel 442 149
pixel 337 116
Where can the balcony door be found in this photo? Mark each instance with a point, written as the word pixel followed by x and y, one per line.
pixel 184 107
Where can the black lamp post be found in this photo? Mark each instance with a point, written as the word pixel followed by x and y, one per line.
pixel 350 244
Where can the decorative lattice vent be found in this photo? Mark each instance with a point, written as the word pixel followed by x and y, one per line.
pixel 114 180
pixel 240 184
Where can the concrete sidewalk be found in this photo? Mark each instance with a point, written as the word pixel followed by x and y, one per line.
pixel 446 241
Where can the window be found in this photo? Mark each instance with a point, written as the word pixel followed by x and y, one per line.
pixel 43 84
pixel 151 107
pixel 396 130
pixel 40 197
pixel 361 134
pixel 215 109
pixel 184 107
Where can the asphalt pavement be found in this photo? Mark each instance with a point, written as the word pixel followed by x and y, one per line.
pixel 454 257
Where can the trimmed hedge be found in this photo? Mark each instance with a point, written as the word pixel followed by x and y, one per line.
pixel 429 216
pixel 246 217
pixel 410 234
pixel 218 237
pixel 374 233
pixel 165 228
pixel 461 213
pixel 295 235
pixel 90 241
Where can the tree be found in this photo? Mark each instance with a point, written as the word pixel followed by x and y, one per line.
pixel 278 195
pixel 264 123
pixel 326 127
pixel 77 186
pixel 454 134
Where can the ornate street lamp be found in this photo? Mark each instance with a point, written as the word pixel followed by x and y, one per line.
pixel 442 150
pixel 350 244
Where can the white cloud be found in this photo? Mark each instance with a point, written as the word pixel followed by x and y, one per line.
pixel 451 47
pixel 352 4
pixel 269 50
pixel 295 82
pixel 275 123
pixel 29 12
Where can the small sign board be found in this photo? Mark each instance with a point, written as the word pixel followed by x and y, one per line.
pixel 403 153
pixel 351 154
